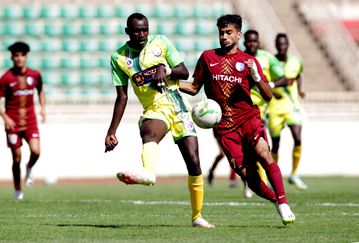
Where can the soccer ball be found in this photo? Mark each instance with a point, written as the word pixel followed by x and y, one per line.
pixel 206 113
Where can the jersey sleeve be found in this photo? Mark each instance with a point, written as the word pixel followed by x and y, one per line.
pixel 2 86
pixel 201 69
pixel 173 57
pixel 119 78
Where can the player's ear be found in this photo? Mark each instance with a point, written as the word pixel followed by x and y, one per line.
pixel 127 31
pixel 239 35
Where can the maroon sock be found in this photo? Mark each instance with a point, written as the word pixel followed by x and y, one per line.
pixel 256 184
pixel 17 176
pixel 276 180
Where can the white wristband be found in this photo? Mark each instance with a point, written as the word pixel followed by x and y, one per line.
pixel 271 84
pixel 255 74
pixel 168 70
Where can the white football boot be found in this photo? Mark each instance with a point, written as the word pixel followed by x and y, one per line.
pixel 248 193
pixel 142 177
pixel 298 183
pixel 29 180
pixel 285 213
pixel 202 223
pixel 18 195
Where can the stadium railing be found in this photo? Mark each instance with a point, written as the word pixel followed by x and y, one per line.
pixel 336 40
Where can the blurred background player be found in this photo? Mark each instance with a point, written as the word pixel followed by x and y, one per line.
pixel 154 66
pixel 285 109
pixel 227 75
pixel 271 70
pixel 17 86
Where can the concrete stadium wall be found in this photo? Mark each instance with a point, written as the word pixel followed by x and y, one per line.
pixel 74 148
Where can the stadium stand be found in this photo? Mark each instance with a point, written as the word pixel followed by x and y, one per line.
pixel 71 42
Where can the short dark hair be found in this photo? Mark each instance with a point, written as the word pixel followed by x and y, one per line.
pixel 281 35
pixel 250 32
pixel 227 19
pixel 137 16
pixel 19 46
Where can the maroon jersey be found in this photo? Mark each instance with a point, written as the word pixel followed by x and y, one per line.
pixel 18 91
pixel 228 81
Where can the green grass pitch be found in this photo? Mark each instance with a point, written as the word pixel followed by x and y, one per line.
pixel 327 212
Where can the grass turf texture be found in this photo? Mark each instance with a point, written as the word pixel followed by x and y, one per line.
pixel 327 212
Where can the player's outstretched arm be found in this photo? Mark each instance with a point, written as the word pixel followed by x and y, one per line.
pixel 191 88
pixel 119 108
pixel 257 75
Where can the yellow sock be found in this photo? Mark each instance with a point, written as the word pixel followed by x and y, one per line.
pixel 275 157
pixel 195 186
pixel 296 155
pixel 262 174
pixel 150 156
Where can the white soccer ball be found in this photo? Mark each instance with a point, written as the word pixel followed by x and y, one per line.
pixel 206 113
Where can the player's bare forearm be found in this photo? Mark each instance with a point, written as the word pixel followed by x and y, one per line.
pixel 42 105
pixel 282 82
pixel 188 88
pixel 179 72
pixel 265 90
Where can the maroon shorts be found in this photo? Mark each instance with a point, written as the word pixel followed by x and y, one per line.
pixel 239 144
pixel 14 139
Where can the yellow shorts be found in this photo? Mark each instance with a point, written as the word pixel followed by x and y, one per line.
pixel 180 123
pixel 276 122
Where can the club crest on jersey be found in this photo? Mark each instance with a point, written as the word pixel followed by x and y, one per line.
pixel 129 63
pixel 240 66
pixel 30 80
pixel 157 52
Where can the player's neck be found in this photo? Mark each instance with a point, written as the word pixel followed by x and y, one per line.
pixel 20 70
pixel 281 57
pixel 230 51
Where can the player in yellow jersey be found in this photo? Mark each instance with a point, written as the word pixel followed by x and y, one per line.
pixel 153 66
pixel 285 109
pixel 274 74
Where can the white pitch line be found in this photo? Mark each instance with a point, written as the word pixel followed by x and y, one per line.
pixel 233 204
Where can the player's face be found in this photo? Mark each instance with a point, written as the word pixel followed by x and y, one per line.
pixel 282 45
pixel 19 59
pixel 229 36
pixel 138 33
pixel 251 43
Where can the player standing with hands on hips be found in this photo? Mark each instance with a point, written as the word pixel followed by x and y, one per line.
pixel 17 86
pixel 228 74
pixel 154 66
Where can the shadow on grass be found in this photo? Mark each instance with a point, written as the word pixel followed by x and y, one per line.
pixel 119 226
pixel 115 226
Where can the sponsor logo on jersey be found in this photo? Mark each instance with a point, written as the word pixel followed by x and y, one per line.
pixel 12 84
pixel 240 66
pixel 30 80
pixel 227 78
pixel 23 92
pixel 213 64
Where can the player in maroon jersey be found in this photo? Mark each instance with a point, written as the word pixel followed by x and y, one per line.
pixel 228 74
pixel 17 86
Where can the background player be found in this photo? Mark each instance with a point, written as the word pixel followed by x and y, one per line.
pixel 285 108
pixel 154 66
pixel 17 86
pixel 228 74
